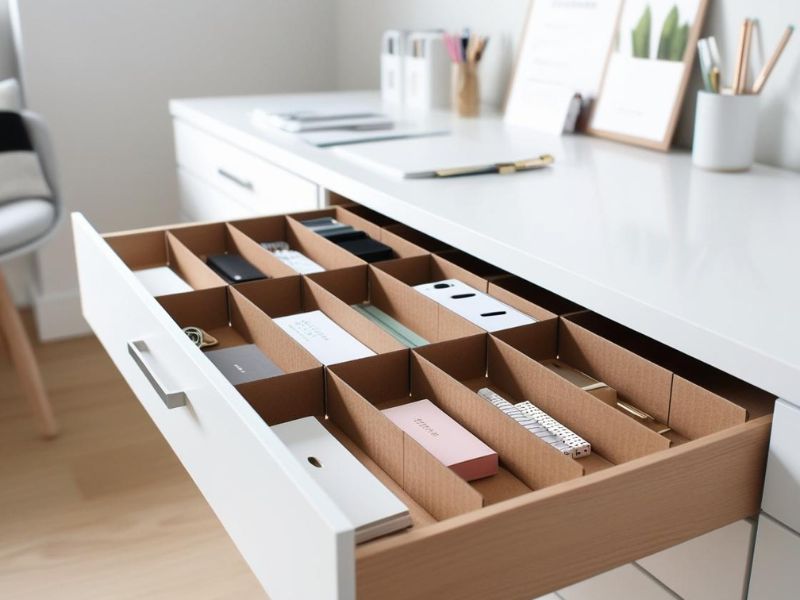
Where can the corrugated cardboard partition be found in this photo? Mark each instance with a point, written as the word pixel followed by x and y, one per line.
pixel 703 399
pixel 425 269
pixel 350 285
pixel 287 397
pixel 207 309
pixel 193 270
pixel 637 380
pixel 539 296
pixel 415 238
pixel 474 265
pixel 323 251
pixel 436 371
pixel 343 215
pixel 612 434
pixel 353 390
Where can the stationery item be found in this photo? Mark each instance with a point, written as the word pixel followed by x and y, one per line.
pixel 199 337
pixel 742 57
pixel 321 120
pixel 706 63
pixel 367 503
pixel 243 364
pixel 553 68
pixel 445 439
pixel 479 308
pixel 391 326
pixel 324 339
pixel 644 418
pixel 725 130
pixel 528 423
pixel 393 49
pixel 444 156
pixel 161 281
pixel 426 71
pixel 298 261
pixel 233 268
pixel 465 54
pixel 589 384
pixel 762 77
pixel 367 249
pixel 648 72
pixel 578 446
pixel 342 137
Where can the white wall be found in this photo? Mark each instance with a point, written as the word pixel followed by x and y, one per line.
pixel 360 23
pixel 102 73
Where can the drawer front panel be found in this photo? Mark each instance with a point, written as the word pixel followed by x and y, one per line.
pixel 200 201
pixel 260 186
pixel 713 566
pixel 782 484
pixel 277 516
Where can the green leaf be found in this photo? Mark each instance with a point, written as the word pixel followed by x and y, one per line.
pixel 667 34
pixel 640 36
pixel 678 45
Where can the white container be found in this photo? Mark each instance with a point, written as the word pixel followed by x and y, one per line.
pixel 427 71
pixel 393 49
pixel 725 129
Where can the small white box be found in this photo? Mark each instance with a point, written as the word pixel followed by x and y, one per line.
pixel 324 339
pixel 393 48
pixel 427 71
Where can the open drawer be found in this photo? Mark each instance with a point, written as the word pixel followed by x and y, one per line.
pixel 301 546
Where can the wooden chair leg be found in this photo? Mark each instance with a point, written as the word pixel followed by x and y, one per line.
pixel 24 360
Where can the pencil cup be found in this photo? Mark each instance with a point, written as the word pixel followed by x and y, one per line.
pixel 725 128
pixel 466 91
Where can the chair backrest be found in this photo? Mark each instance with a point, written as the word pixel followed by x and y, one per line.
pixel 10 99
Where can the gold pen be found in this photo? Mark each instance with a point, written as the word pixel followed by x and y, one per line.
pixel 503 168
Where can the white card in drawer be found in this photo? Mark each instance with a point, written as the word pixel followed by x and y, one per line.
pixel 161 281
pixel 483 310
pixel 367 503
pixel 323 338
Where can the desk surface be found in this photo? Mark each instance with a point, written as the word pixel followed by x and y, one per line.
pixel 704 262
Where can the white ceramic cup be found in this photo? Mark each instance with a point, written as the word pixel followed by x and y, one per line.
pixel 725 128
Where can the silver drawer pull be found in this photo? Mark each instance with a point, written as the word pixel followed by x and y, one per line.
pixel 171 399
pixel 248 185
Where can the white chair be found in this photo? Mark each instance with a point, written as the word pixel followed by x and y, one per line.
pixel 24 226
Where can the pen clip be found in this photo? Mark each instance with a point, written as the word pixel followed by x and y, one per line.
pixel 525 165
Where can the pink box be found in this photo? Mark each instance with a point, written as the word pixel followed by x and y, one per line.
pixel 444 438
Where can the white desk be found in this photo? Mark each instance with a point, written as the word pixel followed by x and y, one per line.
pixel 703 262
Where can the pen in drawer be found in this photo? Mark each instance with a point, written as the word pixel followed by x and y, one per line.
pixel 532 425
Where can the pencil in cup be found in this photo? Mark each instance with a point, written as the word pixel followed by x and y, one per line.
pixel 465 53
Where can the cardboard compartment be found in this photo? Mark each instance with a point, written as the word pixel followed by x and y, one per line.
pixel 421 315
pixel 370 385
pixel 426 269
pixel 293 295
pixel 157 248
pixel 233 320
pixel 395 235
pixel 279 228
pixel 369 222
pixel 223 238
pixel 486 361
pixel 513 286
pixel 486 270
pixel 695 399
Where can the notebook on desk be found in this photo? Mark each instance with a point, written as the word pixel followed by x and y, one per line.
pixel 429 157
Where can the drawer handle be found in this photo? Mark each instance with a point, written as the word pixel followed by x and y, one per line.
pixel 171 399
pixel 248 185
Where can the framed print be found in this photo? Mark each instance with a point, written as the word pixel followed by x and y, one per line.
pixel 648 71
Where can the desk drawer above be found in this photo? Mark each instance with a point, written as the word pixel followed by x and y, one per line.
pixel 547 521
pixel 258 185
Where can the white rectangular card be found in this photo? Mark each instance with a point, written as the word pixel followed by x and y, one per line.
pixel 161 281
pixel 483 310
pixel 322 337
pixel 367 503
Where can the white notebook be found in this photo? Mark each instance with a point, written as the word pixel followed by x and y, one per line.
pixel 367 503
pixel 322 337
pixel 161 281
pixel 421 157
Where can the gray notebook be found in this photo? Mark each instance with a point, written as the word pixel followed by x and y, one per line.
pixel 242 364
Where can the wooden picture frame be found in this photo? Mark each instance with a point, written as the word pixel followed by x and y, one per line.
pixel 624 64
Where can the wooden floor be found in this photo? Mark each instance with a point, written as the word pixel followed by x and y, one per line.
pixel 105 511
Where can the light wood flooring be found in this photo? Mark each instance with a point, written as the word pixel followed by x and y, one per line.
pixel 105 511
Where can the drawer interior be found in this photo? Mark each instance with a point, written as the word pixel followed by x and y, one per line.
pixel 639 491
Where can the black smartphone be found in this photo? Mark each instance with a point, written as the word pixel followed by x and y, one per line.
pixel 233 268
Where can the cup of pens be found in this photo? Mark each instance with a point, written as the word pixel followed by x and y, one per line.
pixel 465 53
pixel 726 117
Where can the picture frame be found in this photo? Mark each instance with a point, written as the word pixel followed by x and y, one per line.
pixel 647 74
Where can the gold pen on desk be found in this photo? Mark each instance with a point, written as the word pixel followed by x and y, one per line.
pixel 503 168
